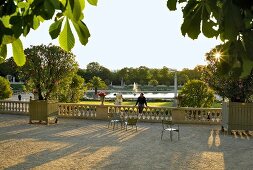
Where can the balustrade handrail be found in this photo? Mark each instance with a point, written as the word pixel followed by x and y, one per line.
pixel 150 113
pixel 14 107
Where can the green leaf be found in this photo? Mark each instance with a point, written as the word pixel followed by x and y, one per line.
pixel 55 3
pixel 77 10
pixel 3 52
pixel 247 66
pixel 48 10
pixel 8 39
pixel 2 59
pixel 247 40
pixel 82 32
pixel 66 38
pixel 26 30
pixel 23 5
pixel 36 22
pixel 212 7
pixel 18 52
pixel 17 23
pixel 233 21
pixel 172 5
pixel 6 21
pixel 93 2
pixel 207 24
pixel 55 29
pixel 192 18
pixel 208 30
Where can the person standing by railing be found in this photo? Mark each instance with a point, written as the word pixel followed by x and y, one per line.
pixel 141 101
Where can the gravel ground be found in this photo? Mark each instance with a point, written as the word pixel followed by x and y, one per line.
pixel 89 144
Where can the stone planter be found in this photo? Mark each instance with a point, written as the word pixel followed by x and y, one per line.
pixel 102 112
pixel 238 116
pixel 43 111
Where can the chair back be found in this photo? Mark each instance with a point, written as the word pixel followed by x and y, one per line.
pixel 114 116
pixel 132 121
pixel 167 123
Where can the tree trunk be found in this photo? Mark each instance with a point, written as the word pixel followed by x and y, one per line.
pixel 96 92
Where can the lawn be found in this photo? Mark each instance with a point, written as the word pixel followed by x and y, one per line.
pixel 130 103
pixel 150 103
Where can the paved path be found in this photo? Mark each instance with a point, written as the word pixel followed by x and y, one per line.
pixel 89 144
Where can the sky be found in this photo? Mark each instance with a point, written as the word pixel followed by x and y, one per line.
pixel 133 33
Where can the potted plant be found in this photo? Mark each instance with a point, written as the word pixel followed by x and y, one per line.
pixel 48 70
pixel 102 95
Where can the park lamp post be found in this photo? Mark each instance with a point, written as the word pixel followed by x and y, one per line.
pixel 175 87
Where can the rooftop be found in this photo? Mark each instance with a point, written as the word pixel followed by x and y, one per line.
pixel 89 144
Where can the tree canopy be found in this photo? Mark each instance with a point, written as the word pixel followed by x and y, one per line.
pixel 48 68
pixel 96 83
pixel 227 85
pixel 5 88
pixel 230 20
pixel 196 93
pixel 18 17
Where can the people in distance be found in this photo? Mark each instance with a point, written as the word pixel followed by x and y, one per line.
pixel 141 102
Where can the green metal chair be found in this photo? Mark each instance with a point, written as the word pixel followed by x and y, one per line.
pixel 169 126
pixel 114 119
pixel 131 122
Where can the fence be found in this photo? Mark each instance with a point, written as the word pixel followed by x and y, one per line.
pixel 14 107
pixel 150 114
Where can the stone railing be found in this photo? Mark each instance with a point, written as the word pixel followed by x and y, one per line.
pixel 179 115
pixel 14 107
pixel 150 114
pixel 77 110
pixel 202 115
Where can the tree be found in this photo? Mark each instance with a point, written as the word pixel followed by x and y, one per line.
pixel 9 68
pixel 5 88
pixel 143 75
pixel 231 20
pixel 19 17
pixel 196 93
pixel 153 82
pixel 95 69
pixel 74 91
pixel 48 68
pixel 229 85
pixel 96 82
pixel 165 76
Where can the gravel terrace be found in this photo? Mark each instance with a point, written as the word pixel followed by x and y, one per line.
pixel 89 144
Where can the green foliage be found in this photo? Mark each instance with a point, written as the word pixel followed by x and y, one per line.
pixel 5 88
pixel 141 75
pixel 230 20
pixel 18 54
pixel 228 85
pixel 48 68
pixel 96 82
pixel 74 91
pixel 9 68
pixel 18 87
pixel 95 69
pixel 19 17
pixel 66 38
pixel 196 93
pixel 153 82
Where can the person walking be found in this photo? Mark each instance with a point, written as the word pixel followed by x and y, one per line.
pixel 141 101
pixel 19 97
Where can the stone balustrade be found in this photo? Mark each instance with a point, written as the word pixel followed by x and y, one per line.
pixel 14 107
pixel 150 114
pixel 77 110
pixel 177 114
